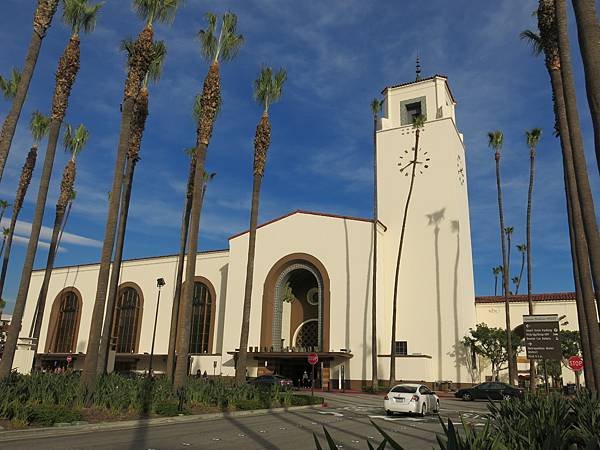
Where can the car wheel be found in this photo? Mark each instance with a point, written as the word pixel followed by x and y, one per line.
pixel 467 397
pixel 423 410
pixel 506 397
pixel 388 412
pixel 437 407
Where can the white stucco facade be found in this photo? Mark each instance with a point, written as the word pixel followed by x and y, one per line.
pixel 332 257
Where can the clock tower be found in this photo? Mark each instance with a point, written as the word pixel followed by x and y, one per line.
pixel 435 305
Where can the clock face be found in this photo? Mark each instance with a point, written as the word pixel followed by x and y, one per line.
pixel 460 168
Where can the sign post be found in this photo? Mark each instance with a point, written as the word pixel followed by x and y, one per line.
pixel 542 341
pixel 313 359
pixel 576 365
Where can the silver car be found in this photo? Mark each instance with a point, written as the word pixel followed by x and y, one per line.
pixel 411 398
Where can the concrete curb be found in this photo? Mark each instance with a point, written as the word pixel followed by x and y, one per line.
pixel 39 433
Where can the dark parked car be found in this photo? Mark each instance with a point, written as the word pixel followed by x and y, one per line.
pixel 493 390
pixel 268 381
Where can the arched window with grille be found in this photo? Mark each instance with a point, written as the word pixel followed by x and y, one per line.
pixel 202 319
pixel 64 322
pixel 127 319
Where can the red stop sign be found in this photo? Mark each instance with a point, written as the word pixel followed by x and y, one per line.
pixel 576 363
pixel 313 358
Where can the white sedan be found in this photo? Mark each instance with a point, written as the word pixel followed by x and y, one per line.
pixel 411 398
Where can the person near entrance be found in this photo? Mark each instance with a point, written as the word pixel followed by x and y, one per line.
pixel 305 381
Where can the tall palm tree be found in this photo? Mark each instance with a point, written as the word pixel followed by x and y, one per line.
pixel 496 140
pixel 140 114
pixel 64 225
pixel 496 271
pixel 3 206
pixel 10 85
pixel 185 226
pixel 533 137
pixel 586 199
pixel 418 123
pixel 79 15
pixel 215 48
pixel 150 11
pixel 588 33
pixel 522 248
pixel 376 105
pixel 38 126
pixel 509 232
pixel 74 142
pixel 42 18
pixel 554 36
pixel 268 88
pixel 4 236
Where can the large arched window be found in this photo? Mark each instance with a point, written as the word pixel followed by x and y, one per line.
pixel 202 318
pixel 127 319
pixel 64 322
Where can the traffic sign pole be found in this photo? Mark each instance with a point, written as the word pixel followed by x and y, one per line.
pixel 312 383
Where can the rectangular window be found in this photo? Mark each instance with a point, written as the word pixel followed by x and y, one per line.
pixel 413 110
pixel 401 348
pixel 409 109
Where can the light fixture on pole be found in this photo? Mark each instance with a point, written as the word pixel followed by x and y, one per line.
pixel 160 282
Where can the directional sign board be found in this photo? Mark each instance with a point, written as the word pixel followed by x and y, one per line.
pixel 541 336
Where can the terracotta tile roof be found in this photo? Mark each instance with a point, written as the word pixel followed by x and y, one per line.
pixel 437 75
pixel 299 211
pixel 546 297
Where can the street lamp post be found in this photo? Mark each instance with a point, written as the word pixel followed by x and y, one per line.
pixel 160 282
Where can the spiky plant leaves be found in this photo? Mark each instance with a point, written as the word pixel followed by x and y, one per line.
pixel 387 437
pixel 419 121
pixel 74 139
pixel 533 137
pixel 80 15
pixel 151 11
pixel 9 85
pixel 534 40
pixel 39 126
pixel 376 105
pixel 496 140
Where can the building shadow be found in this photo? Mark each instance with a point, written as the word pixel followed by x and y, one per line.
pixel 140 436
pixel 220 328
pixel 347 243
pixel 367 348
pixel 455 227
pixel 434 219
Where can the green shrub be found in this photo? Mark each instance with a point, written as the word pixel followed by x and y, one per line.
pixel 303 400
pixel 49 415
pixel 246 405
pixel 586 411
pixel 166 408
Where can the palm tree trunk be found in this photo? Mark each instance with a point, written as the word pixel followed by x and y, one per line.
pixel 140 61
pixel 588 33
pixel 183 235
pixel 505 275
pixel 532 370
pixel 10 345
pixel 240 373
pixel 2 248
pixel 183 336
pixel 495 285
pixel 586 199
pixel 41 302
pixel 400 245
pixel 374 360
pixel 579 249
pixel 116 268
pixel 8 248
pixel 518 285
pixel 41 21
pixel 64 224
pixel 588 369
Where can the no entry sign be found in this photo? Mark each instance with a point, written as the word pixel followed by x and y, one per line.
pixel 313 358
pixel 576 363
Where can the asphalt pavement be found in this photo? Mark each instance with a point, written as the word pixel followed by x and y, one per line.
pixel 346 417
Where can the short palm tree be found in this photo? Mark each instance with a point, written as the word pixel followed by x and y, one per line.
pixel 79 15
pixel 42 18
pixel 522 249
pixel 215 47
pixel 376 105
pixel 496 271
pixel 38 126
pixel 150 11
pixel 496 140
pixel 10 85
pixel 74 142
pixel 3 207
pixel 268 88
pixel 140 114
pixel 418 123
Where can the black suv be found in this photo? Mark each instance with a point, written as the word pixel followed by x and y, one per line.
pixel 492 390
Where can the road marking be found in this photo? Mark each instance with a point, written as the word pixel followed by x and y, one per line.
pixel 331 413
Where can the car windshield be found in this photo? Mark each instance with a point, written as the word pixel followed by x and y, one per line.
pixel 405 389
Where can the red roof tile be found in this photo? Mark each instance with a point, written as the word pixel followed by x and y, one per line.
pixel 546 297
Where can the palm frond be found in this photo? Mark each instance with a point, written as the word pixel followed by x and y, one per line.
pixel 533 137
pixel 268 87
pixel 126 46
pixel 419 121
pixel 9 86
pixel 158 61
pixel 207 37
pixel 534 40
pixel 495 140
pixel 230 41
pixel 80 15
pixel 376 105
pixel 151 11
pixel 39 126
pixel 5 232
pixel 75 139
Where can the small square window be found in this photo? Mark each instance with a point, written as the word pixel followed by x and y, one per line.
pixel 410 109
pixel 413 110
pixel 401 348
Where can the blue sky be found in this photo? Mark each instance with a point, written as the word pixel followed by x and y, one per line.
pixel 339 54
